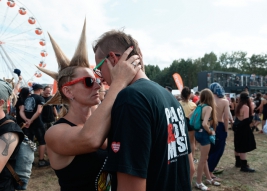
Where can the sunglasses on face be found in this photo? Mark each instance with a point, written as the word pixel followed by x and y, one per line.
pixel 87 81
pixel 96 70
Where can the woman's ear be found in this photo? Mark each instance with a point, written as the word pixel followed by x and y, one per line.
pixel 66 90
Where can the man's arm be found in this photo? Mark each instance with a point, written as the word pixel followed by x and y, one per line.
pixel 130 183
pixel 22 113
pixel 36 114
pixel 17 86
pixel 8 143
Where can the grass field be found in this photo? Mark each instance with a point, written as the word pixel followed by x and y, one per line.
pixel 44 179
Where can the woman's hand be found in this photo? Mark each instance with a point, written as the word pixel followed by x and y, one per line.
pixel 212 132
pixel 125 70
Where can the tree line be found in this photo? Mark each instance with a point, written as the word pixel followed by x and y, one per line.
pixel 238 62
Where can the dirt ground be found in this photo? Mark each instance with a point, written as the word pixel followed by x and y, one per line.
pixel 44 179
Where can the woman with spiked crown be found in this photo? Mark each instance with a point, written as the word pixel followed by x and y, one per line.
pixel 73 142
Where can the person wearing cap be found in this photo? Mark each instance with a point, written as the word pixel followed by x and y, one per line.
pixel 31 113
pixel 10 138
pixel 222 112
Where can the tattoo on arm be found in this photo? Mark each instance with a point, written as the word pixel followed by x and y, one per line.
pixel 8 141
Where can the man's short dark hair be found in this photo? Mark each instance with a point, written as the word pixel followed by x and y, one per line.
pixel 46 87
pixel 197 93
pixel 116 40
pixel 168 88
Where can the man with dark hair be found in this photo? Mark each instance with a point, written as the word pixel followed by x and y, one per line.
pixel 168 88
pixel 49 113
pixel 10 138
pixel 31 113
pixel 148 145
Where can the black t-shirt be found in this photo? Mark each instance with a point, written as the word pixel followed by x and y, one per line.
pixel 48 112
pixel 18 117
pixel 7 181
pixel 257 102
pixel 31 105
pixel 149 137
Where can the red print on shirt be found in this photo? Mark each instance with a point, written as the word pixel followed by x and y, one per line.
pixel 171 137
pixel 115 146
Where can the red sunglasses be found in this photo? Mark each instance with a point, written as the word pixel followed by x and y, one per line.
pixel 87 81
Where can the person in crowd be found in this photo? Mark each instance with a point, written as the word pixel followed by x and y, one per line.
pixel 197 94
pixel 148 144
pixel 189 107
pixel 194 98
pixel 30 112
pixel 222 112
pixel 232 107
pixel 23 94
pixel 209 119
pixel 237 98
pixel 263 109
pixel 257 110
pixel 49 112
pixel 246 89
pixel 11 137
pixel 73 143
pixel 244 140
pixel 168 88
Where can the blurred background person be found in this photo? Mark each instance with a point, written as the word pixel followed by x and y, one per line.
pixel 49 112
pixel 257 111
pixel 244 140
pixel 263 109
pixel 189 107
pixel 232 107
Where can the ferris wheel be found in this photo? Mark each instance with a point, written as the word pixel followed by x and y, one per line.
pixel 22 42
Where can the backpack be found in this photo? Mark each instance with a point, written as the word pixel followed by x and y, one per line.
pixel 195 120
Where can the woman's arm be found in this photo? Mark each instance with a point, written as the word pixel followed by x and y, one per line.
pixel 206 112
pixel 92 135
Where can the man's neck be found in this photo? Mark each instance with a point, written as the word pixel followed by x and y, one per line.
pixel 140 74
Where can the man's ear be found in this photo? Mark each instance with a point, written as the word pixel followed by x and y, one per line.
pixel 113 58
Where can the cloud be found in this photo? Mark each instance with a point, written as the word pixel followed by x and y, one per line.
pixel 163 54
pixel 263 30
pixel 234 3
pixel 64 21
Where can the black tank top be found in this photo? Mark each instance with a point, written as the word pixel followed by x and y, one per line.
pixel 84 172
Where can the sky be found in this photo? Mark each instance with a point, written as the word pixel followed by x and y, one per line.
pixel 165 29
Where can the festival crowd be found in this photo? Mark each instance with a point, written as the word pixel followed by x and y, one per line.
pixel 134 137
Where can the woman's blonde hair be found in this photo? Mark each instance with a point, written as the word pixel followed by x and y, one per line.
pixel 206 97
